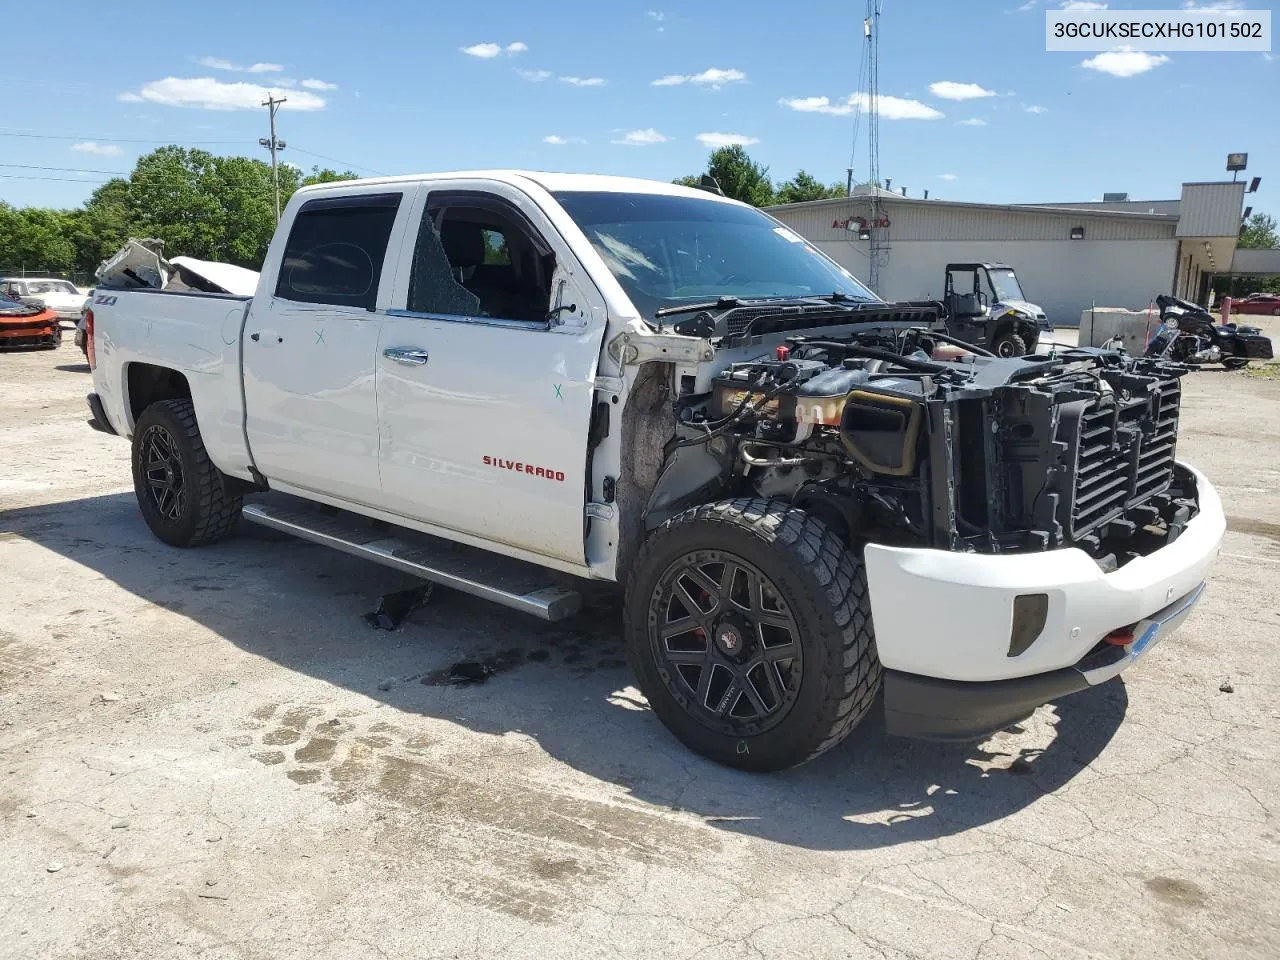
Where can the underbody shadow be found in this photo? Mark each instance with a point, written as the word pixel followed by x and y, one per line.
pixel 565 685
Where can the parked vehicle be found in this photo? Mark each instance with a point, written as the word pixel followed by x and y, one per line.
pixel 27 325
pixel 61 296
pixel 987 308
pixel 1266 304
pixel 1191 334
pixel 656 386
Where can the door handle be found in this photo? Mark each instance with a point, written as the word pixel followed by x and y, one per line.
pixel 410 356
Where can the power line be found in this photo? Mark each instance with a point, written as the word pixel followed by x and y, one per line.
pixel 59 136
pixel 27 166
pixel 341 163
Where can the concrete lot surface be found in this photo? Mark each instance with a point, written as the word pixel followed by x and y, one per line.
pixel 208 753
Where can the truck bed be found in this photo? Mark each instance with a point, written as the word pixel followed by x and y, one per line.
pixel 197 334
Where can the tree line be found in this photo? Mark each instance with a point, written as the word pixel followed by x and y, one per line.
pixel 744 179
pixel 200 204
pixel 223 208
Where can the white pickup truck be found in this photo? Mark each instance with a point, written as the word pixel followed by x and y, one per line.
pixel 505 381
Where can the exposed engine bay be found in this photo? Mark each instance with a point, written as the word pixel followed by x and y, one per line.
pixel 903 436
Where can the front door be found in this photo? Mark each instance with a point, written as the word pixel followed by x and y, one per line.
pixel 309 350
pixel 484 386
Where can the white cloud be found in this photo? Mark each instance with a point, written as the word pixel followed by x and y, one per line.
pixel 713 77
pixel 1082 5
pixel 1036 108
pixel 816 105
pixel 218 63
pixel 642 138
pixel 1268 57
pixel 891 108
pixel 716 140
pixel 558 141
pixel 314 84
pixel 947 176
pixel 1029 5
pixel 657 15
pixel 487 51
pixel 973 122
pixel 1216 5
pixel 583 81
pixel 1125 62
pixel 950 90
pixel 97 149
pixel 209 94
pixel 535 76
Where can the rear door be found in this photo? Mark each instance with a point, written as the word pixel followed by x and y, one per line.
pixel 485 373
pixel 310 344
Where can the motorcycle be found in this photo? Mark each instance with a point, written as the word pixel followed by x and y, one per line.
pixel 1189 334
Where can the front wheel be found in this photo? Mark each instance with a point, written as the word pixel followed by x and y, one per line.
pixel 183 497
pixel 748 627
pixel 1009 344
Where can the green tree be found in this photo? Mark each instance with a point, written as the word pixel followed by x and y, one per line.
pixel 35 239
pixel 739 176
pixel 317 175
pixel 1259 231
pixel 804 186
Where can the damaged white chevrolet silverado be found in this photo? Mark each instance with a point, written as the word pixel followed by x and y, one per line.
pixel 491 380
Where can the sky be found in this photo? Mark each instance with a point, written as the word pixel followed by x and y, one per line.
pixel 973 107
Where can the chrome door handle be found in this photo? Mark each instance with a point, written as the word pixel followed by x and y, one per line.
pixel 409 356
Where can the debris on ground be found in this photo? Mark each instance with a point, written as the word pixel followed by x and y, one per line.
pixel 462 673
pixel 1226 687
pixel 54 867
pixel 394 607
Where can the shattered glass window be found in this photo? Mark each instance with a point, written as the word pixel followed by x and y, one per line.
pixel 433 286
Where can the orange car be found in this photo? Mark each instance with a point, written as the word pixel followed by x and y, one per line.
pixel 27 325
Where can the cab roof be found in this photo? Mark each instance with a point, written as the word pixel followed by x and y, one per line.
pixel 551 182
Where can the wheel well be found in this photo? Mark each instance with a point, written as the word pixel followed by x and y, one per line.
pixel 147 383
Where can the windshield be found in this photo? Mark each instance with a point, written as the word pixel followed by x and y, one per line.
pixel 1004 284
pixel 51 286
pixel 666 251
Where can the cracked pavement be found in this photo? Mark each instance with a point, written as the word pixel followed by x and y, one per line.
pixel 208 753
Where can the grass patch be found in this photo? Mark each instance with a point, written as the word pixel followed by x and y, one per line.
pixel 1265 371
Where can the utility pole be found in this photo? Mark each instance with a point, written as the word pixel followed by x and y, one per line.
pixel 274 145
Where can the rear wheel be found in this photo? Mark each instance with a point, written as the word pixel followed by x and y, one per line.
pixel 748 628
pixel 1235 363
pixel 182 495
pixel 1009 344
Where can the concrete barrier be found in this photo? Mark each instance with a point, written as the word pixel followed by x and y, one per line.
pixel 1134 327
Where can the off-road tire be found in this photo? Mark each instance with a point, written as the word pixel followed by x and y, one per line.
pixel 207 511
pixel 1009 344
pixel 824 588
pixel 1235 363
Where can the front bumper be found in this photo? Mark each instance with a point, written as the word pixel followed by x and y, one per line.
pixel 39 334
pixel 934 709
pixel 949 616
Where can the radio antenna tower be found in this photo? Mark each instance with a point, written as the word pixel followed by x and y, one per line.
pixel 867 102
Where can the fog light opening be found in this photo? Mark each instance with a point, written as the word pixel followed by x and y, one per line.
pixel 1030 610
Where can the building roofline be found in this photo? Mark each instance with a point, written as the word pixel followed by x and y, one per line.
pixel 1008 207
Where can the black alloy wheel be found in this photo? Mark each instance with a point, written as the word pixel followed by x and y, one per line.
pixel 726 645
pixel 162 467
